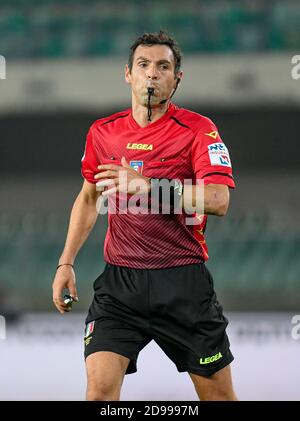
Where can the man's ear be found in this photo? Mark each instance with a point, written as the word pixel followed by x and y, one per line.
pixel 127 74
pixel 178 77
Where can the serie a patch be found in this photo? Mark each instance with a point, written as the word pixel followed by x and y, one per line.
pixel 137 166
pixel 218 154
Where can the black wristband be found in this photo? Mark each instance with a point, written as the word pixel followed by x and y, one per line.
pixel 64 264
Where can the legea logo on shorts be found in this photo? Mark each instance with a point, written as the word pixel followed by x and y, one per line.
pixel 208 360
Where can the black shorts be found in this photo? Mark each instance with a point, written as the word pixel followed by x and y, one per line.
pixel 176 307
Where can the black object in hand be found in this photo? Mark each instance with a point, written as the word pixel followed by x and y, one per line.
pixel 68 300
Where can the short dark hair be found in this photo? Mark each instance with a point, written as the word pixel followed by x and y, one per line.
pixel 161 38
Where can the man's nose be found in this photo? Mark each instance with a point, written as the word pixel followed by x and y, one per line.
pixel 152 73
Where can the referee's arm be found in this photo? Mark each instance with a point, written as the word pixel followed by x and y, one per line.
pixel 83 218
pixel 210 199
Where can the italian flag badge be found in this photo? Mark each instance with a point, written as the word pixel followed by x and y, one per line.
pixel 89 329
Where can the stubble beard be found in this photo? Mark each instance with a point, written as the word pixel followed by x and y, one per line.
pixel 154 100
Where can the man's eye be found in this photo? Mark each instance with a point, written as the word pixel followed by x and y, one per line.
pixel 164 67
pixel 142 64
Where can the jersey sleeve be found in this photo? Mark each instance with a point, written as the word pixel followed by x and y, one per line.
pixel 89 161
pixel 210 157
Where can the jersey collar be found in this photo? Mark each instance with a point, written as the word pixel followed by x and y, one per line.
pixel 171 110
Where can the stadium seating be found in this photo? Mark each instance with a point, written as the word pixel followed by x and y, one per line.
pixel 52 29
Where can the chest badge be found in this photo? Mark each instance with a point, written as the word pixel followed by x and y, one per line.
pixel 137 166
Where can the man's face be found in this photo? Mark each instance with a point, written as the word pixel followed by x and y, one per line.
pixel 153 66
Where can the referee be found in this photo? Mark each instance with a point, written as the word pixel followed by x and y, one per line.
pixel 155 285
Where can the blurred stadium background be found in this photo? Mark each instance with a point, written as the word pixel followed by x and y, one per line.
pixel 65 64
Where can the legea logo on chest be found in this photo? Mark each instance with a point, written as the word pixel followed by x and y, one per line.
pixel 140 146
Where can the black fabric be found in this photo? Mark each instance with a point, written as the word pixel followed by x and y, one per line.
pixel 176 307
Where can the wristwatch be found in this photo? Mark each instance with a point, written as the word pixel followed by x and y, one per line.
pixel 176 190
pixel 178 187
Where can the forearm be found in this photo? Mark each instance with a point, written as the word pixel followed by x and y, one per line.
pixel 215 201
pixel 82 220
pixel 208 200
pixel 211 199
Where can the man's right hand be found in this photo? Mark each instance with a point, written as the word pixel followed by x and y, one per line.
pixel 64 278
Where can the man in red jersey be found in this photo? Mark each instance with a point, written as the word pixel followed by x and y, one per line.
pixel 155 285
